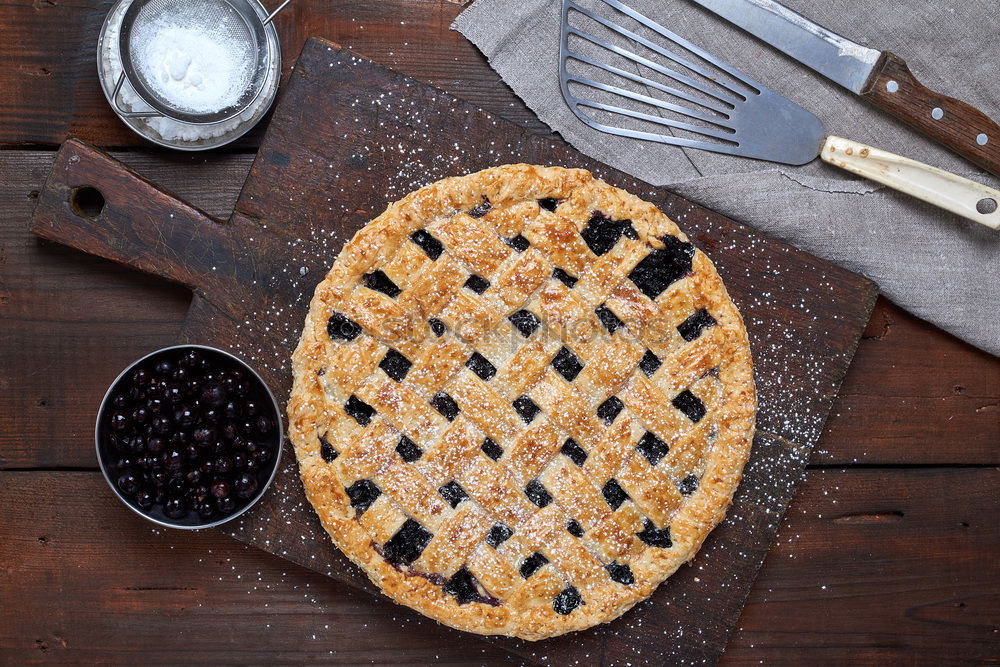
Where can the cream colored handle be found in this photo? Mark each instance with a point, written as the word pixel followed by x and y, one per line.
pixel 961 196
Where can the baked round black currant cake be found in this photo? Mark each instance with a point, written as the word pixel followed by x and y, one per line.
pixel 522 399
pixel 189 436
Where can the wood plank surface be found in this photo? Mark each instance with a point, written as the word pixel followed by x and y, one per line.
pixel 81 573
pixel 914 395
pixel 48 73
pixel 348 136
pixel 907 556
pixel 863 568
pixel 880 567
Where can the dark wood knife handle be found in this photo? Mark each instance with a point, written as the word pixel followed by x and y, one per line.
pixel 955 124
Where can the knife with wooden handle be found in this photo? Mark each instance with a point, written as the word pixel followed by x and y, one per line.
pixel 879 77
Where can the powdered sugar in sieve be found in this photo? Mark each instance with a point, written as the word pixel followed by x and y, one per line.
pixel 194 66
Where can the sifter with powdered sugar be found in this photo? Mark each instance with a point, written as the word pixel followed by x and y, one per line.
pixel 190 74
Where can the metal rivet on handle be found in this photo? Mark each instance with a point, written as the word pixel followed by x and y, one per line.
pixel 937 113
pixel 982 139
pixel 986 206
pixel 892 87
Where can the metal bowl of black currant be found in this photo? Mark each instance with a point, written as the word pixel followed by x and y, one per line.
pixel 189 436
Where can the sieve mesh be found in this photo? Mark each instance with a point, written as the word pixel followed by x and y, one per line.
pixel 230 25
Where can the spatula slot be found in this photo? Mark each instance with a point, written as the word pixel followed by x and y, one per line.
pixel 623 73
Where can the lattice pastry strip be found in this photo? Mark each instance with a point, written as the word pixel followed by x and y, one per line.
pixel 532 451
pixel 522 398
pixel 454 541
pixel 405 267
pixel 472 242
pixel 451 454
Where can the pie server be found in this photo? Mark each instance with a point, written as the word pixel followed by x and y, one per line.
pixel 651 90
pixel 880 77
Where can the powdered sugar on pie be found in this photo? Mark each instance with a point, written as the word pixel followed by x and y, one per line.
pixel 521 400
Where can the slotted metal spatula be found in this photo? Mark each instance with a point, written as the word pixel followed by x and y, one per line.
pixel 622 73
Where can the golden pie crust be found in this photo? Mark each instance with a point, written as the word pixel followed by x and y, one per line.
pixel 521 400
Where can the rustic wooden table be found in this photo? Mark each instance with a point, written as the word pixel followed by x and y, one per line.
pixel 887 554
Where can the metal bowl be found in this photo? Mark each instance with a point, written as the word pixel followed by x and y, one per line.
pixel 109 69
pixel 155 513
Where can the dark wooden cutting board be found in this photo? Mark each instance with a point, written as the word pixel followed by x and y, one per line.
pixel 347 138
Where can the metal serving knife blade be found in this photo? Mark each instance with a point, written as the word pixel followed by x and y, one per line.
pixel 879 77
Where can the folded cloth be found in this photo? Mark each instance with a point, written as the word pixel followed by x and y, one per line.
pixel 940 267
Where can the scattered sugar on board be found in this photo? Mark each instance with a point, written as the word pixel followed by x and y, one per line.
pixel 783 363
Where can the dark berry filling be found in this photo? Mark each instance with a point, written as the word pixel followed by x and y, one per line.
pixel 326 450
pixel 481 209
pixel 361 411
pixel 395 365
pixel 532 564
pixel 620 572
pixel 481 366
pixel 407 544
pixel 408 450
pixel 688 485
pixel 574 452
pixel 655 537
pixel 363 494
pixel 526 408
pixel 477 284
pixel 567 364
pixel 465 587
pixel 602 233
pixel 567 601
pixel 437 326
pixel 378 281
pixel 537 493
pixel 492 449
pixel 574 528
pixel 652 448
pixel 690 405
pixel 525 321
pixel 608 411
pixel 453 493
pixel 614 494
pixel 692 327
pixel 661 268
pixel 518 243
pixel 548 203
pixel 649 363
pixel 446 405
pixel 341 327
pixel 427 243
pixel 608 319
pixel 566 279
pixel 498 535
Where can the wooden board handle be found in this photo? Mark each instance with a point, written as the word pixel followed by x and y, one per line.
pixel 961 196
pixel 95 203
pixel 955 124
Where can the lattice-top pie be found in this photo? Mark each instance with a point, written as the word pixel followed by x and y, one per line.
pixel 522 399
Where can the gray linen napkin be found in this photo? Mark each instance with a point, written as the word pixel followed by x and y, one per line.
pixel 938 266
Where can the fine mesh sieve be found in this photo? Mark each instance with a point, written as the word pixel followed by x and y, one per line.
pixel 235 24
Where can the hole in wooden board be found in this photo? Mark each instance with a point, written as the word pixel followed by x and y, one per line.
pixel 87 202
pixel 986 206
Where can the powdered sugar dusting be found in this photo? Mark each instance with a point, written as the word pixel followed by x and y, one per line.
pixel 797 343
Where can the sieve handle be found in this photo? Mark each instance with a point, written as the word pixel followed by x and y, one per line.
pixel 275 12
pixel 131 114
